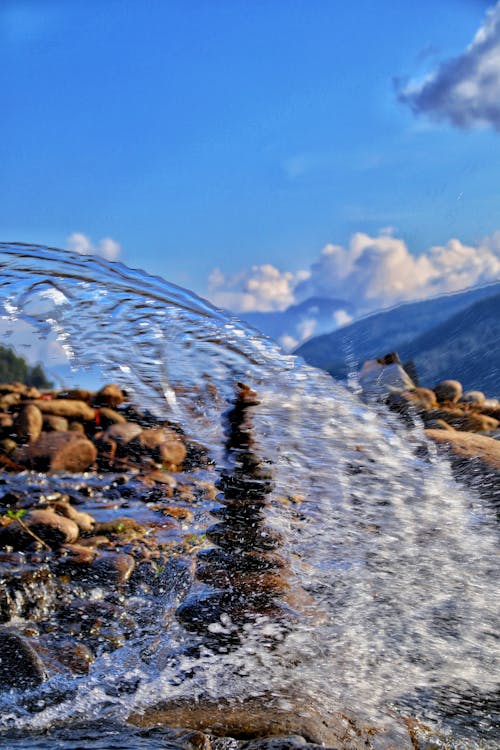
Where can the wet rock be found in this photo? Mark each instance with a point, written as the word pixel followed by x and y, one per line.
pixel 122 434
pixel 476 398
pixel 438 424
pixel 52 528
pixel 8 400
pixel 264 717
pixel 192 740
pixel 120 525
pixel 84 521
pixel 112 569
pixel 71 409
pixel 467 445
pixel 106 452
pixel 28 424
pixel 289 742
pixel 76 656
pixel 20 666
pixel 448 390
pixel 44 525
pixel 51 423
pixel 110 395
pixel 254 538
pixel 479 423
pixel 6 421
pixel 163 445
pixel 58 451
pixel 78 394
pixel 8 446
pixel 106 417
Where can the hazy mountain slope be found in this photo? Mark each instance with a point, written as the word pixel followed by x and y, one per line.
pixel 389 330
pixel 316 313
pixel 466 347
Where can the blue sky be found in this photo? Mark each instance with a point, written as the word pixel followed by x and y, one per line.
pixel 242 134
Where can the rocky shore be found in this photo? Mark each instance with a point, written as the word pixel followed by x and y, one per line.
pixel 86 560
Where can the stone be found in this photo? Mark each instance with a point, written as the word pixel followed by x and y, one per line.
pixel 448 390
pixel 75 655
pixel 8 400
pixel 20 666
pixel 105 417
pixel 122 434
pixel 265 717
pixel 78 394
pixel 58 451
pixel 110 395
pixel 52 528
pixel 84 521
pixel 69 408
pixel 479 423
pixel 469 446
pixel 164 445
pixel 28 424
pixel 51 423
pixel 113 569
pixel 76 427
pixel 439 424
pixel 6 421
pixel 252 539
pixel 476 398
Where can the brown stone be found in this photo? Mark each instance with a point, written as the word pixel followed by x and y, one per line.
pixel 467 445
pixel 448 390
pixel 84 521
pixel 76 427
pixel 52 529
pixel 122 433
pixel 51 423
pixel 69 408
pixel 75 655
pixel 9 399
pixel 106 417
pixel 110 395
pixel 6 421
pixel 164 445
pixel 28 424
pixel 113 569
pixel 479 423
pixel 265 716
pixel 58 451
pixel 78 394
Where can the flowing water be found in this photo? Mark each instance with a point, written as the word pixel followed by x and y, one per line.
pixel 398 557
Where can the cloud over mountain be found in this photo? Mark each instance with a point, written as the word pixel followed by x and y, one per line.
pixel 465 89
pixel 105 248
pixel 368 273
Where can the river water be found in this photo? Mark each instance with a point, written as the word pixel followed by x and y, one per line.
pixel 399 558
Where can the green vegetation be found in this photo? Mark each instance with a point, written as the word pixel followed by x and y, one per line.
pixel 15 368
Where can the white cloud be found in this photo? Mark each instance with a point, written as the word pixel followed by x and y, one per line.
pixel 369 273
pixel 466 88
pixel 105 248
pixel 263 288
pixel 341 318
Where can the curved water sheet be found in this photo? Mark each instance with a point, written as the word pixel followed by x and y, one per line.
pixel 399 559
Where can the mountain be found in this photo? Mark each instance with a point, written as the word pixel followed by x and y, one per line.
pixel 314 315
pixel 398 329
pixel 465 347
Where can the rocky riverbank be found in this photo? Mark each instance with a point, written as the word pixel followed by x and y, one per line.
pixel 105 516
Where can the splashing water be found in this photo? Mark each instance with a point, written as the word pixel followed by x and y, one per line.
pixel 398 557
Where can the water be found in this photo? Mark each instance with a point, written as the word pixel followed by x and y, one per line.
pixel 400 559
